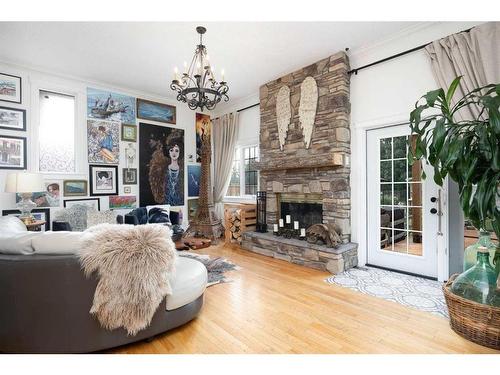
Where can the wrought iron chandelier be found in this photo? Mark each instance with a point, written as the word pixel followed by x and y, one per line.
pixel 197 85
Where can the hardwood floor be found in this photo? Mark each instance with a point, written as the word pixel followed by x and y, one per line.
pixel 273 306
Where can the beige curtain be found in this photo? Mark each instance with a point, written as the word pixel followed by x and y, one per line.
pixel 225 133
pixel 475 55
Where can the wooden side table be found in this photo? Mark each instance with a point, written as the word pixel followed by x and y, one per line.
pixel 36 226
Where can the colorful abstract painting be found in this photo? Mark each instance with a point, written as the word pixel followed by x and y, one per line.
pixel 122 201
pixel 161 165
pixel 203 129
pixel 105 105
pixel 194 172
pixel 153 111
pixel 103 139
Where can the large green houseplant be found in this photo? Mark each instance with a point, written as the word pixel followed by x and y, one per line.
pixel 468 150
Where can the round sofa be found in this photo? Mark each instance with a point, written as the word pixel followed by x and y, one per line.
pixel 46 301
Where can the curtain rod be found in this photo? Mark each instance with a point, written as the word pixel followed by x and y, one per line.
pixel 243 109
pixel 355 71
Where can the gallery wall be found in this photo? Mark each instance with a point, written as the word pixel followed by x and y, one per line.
pixel 34 80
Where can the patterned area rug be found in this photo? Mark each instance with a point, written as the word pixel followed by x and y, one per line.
pixel 216 267
pixel 411 291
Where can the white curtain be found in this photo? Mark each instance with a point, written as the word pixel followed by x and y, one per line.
pixel 475 55
pixel 225 134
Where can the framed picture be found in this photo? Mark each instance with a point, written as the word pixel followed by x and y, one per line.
pixel 38 213
pixel 129 133
pixel 194 172
pixel 127 190
pixel 119 202
pixel 153 111
pixel 192 208
pixel 10 88
pixel 12 119
pixel 103 139
pixel 111 106
pixel 161 165
pixel 51 197
pixel 129 176
pixel 12 152
pixel 90 202
pixel 103 180
pixel 203 129
pixel 75 188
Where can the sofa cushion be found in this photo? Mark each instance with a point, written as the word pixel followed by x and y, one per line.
pixel 17 243
pixel 12 224
pixel 158 214
pixel 57 243
pixel 188 283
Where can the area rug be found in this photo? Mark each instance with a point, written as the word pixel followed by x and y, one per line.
pixel 216 267
pixel 416 292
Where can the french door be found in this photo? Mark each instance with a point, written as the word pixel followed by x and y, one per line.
pixel 403 210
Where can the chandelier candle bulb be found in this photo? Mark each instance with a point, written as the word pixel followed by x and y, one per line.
pixel 275 227
pixel 281 223
pixel 302 232
pixel 295 225
pixel 288 219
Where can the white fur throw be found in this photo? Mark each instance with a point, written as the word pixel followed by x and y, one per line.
pixel 133 264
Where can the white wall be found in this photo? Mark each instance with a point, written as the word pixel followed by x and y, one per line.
pixel 33 80
pixel 385 94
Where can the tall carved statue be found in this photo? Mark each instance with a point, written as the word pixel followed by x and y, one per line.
pixel 205 223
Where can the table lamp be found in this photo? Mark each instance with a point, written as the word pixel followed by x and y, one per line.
pixel 25 184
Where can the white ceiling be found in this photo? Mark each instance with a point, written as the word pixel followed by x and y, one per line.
pixel 141 56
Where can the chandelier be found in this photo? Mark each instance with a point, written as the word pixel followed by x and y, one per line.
pixel 197 85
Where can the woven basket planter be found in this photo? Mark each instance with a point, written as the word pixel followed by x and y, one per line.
pixel 474 321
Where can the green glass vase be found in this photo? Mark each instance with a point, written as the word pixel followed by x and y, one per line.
pixel 470 254
pixel 479 282
pixel 496 261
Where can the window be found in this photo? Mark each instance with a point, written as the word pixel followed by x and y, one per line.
pixel 244 176
pixel 56 132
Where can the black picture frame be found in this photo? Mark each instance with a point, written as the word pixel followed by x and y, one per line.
pixel 20 89
pixel 126 180
pixel 46 211
pixel 83 199
pixel 93 193
pixel 23 111
pixel 25 153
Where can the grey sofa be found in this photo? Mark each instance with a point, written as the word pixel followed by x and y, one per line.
pixel 45 303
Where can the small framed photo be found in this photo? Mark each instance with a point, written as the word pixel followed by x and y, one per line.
pixel 12 152
pixel 12 119
pixel 129 133
pixel 90 202
pixel 40 214
pixel 127 190
pixel 129 176
pixel 103 179
pixel 10 88
pixel 75 188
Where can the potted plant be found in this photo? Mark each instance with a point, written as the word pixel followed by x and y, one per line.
pixel 469 152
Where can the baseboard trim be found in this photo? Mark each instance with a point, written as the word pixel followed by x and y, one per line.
pixel 403 272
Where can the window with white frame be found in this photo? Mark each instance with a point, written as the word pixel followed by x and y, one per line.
pixel 244 175
pixel 56 132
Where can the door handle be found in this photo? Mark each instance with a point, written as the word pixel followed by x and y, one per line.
pixel 433 211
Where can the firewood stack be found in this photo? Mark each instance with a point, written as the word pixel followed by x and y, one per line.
pixel 238 218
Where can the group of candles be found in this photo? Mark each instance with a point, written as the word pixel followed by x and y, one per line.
pixel 288 220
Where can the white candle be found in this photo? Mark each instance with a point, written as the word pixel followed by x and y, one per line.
pixel 275 227
pixel 288 219
pixel 295 225
pixel 302 232
pixel 281 223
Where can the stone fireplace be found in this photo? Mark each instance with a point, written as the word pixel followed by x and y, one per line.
pixel 312 183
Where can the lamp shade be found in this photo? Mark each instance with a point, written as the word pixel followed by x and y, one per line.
pixel 22 182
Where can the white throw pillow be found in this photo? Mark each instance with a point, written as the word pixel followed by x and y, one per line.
pixel 57 243
pixel 17 243
pixel 95 217
pixel 12 224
